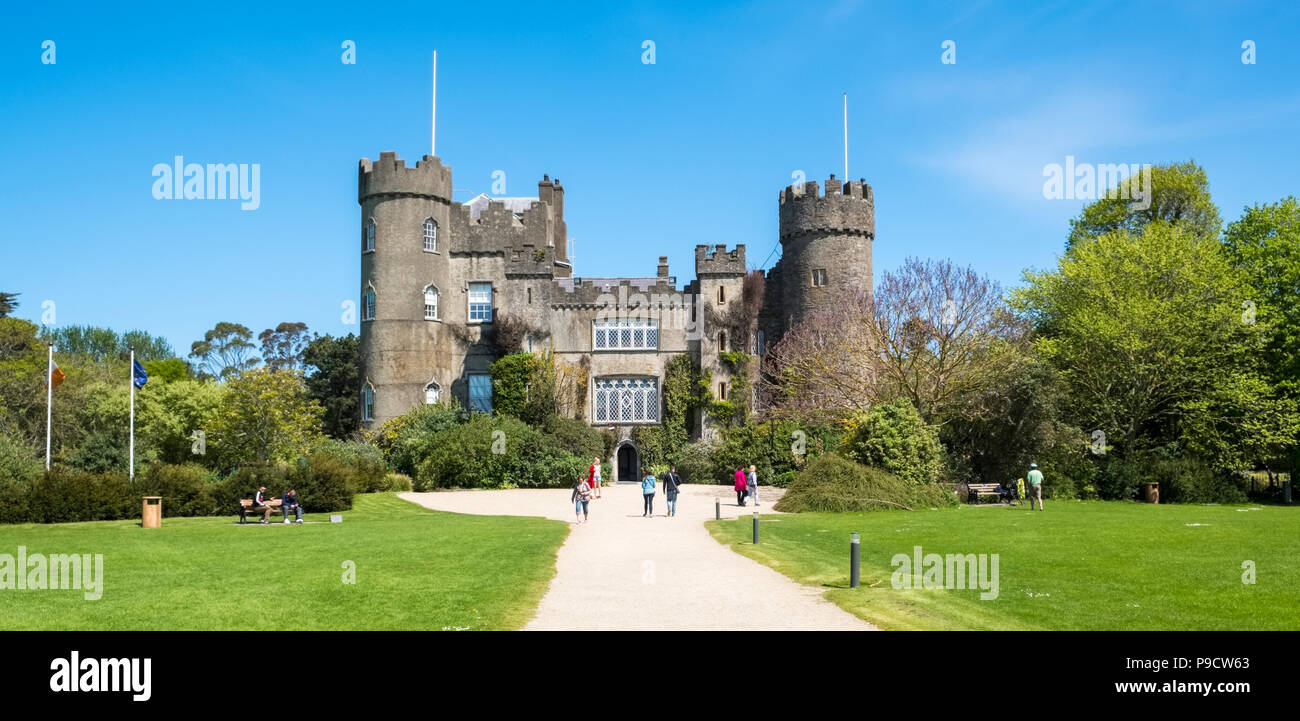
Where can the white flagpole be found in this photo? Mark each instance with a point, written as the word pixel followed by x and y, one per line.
pixel 49 403
pixel 433 117
pixel 846 137
pixel 132 472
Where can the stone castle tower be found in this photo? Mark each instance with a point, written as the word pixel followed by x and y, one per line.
pixel 826 250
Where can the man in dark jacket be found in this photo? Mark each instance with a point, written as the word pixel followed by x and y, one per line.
pixel 671 483
pixel 289 504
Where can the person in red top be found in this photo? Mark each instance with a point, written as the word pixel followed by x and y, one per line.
pixel 742 487
pixel 593 476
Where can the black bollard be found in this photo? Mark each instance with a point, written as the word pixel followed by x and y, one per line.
pixel 1286 492
pixel 717 509
pixel 755 528
pixel 855 559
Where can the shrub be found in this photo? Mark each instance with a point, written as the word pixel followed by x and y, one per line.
pixel 67 496
pixel 783 480
pixel 14 501
pixel 1190 480
pixel 184 489
pixel 324 483
pixel 575 436
pixel 396 482
pixel 406 440
pixel 835 483
pixel 894 438
pixel 500 452
pixel 695 463
pixel 18 462
pixel 366 461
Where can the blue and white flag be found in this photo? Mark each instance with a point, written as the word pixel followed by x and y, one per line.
pixel 138 375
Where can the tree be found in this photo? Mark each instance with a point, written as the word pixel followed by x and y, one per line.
pixel 333 379
pixel 1265 245
pixel 1179 194
pixel 283 347
pixel 169 415
pixel 103 345
pixel 225 351
pixel 265 415
pixel 167 371
pixel 934 334
pixel 8 301
pixel 1147 331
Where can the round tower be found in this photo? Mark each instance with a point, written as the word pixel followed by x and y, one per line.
pixel 404 243
pixel 826 243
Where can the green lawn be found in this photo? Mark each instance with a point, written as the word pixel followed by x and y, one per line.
pixel 1089 565
pixel 414 569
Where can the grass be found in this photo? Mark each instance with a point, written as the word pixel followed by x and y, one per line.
pixel 1078 565
pixel 414 569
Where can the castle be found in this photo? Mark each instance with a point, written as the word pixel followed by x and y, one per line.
pixel 438 275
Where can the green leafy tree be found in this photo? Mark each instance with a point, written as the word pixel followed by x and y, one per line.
pixel 8 302
pixel 169 415
pixel 103 345
pixel 265 415
pixel 1179 194
pixel 167 371
pixel 333 379
pixel 283 348
pixel 225 351
pixel 1146 329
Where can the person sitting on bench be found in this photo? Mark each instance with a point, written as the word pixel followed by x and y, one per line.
pixel 289 502
pixel 259 504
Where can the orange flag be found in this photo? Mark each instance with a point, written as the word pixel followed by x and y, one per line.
pixel 56 376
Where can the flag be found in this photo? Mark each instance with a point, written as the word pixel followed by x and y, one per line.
pixel 56 376
pixel 138 376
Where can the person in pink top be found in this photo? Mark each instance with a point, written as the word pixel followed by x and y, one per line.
pixel 742 487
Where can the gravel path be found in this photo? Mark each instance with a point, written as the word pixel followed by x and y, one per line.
pixel 623 571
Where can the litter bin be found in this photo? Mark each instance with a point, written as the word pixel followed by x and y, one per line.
pixel 151 514
pixel 1151 491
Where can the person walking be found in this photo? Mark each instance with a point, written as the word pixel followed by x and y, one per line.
pixel 751 484
pixel 593 476
pixel 672 483
pixel 648 493
pixel 742 487
pixel 1035 478
pixel 581 496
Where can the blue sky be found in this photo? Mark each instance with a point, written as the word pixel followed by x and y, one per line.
pixel 654 158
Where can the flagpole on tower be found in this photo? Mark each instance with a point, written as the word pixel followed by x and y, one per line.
pixel 433 117
pixel 49 403
pixel 846 137
pixel 132 471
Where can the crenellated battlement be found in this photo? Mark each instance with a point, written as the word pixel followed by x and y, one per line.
pixel 845 208
pixel 498 228
pixel 717 260
pixel 390 176
pixel 597 293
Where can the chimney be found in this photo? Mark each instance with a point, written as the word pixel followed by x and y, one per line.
pixel 663 266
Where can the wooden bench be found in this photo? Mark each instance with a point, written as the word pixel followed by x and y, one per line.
pixel 978 490
pixel 246 504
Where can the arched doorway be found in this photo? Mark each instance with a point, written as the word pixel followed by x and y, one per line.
pixel 629 463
